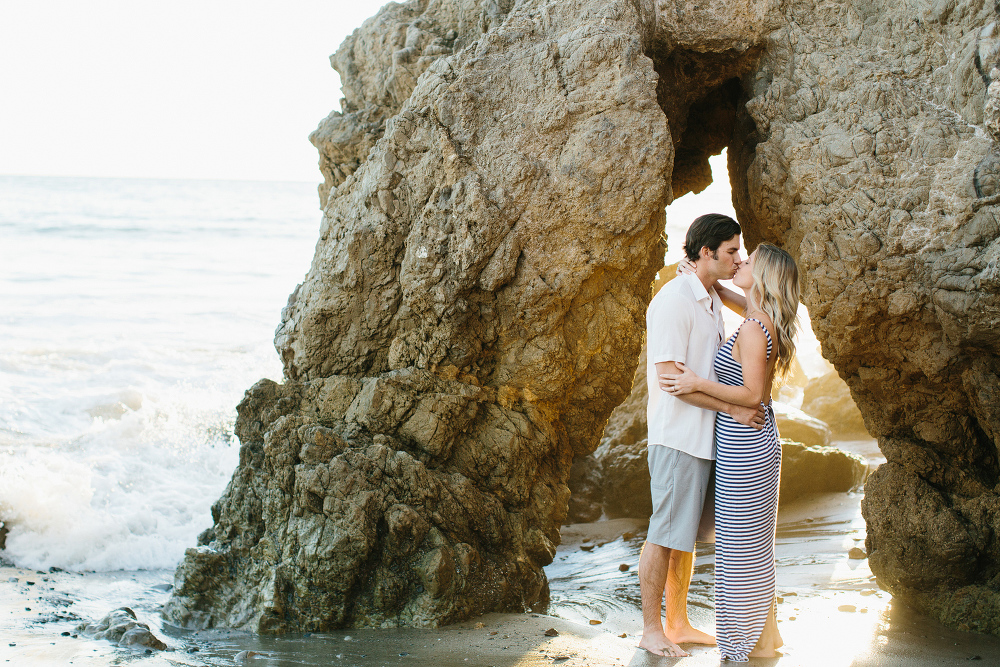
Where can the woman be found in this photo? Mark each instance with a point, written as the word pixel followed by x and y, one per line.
pixel 748 461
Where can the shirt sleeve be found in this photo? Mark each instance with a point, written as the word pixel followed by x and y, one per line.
pixel 669 322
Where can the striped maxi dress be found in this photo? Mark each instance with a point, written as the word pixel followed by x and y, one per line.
pixel 746 505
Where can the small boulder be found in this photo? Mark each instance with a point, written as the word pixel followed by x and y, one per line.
pixel 807 470
pixel 123 628
pixel 828 398
pixel 139 635
pixel 799 426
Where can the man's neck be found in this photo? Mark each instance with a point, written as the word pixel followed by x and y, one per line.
pixel 701 270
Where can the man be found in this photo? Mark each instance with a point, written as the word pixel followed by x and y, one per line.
pixel 684 324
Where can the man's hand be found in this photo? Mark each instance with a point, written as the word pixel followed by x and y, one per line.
pixel 752 417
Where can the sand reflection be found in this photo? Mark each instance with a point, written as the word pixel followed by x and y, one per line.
pixel 830 608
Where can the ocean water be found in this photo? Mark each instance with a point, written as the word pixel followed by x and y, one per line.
pixel 133 316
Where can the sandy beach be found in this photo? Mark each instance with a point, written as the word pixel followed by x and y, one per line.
pixel 830 609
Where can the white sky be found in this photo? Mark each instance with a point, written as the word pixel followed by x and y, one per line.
pixel 185 89
pixel 179 89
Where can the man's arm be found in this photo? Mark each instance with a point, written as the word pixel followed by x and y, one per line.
pixel 753 417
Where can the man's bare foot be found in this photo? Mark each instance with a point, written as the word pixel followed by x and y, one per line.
pixel 658 644
pixel 690 635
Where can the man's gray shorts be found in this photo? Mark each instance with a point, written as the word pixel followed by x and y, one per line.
pixel 683 489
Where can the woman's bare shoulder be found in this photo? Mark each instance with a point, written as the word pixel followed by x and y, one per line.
pixel 755 331
pixel 764 319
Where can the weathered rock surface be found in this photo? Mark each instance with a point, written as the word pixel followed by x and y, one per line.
pixel 625 480
pixel 586 500
pixel 493 199
pixel 864 148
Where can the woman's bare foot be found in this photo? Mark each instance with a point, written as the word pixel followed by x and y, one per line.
pixel 770 639
pixel 690 635
pixel 658 644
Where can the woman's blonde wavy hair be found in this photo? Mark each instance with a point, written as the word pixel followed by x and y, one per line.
pixel 776 291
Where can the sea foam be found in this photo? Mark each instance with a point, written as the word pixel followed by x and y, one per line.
pixel 136 315
pixel 132 493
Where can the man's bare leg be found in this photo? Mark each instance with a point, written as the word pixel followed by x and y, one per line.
pixel 770 639
pixel 679 629
pixel 653 564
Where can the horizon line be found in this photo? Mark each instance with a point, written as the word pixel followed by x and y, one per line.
pixel 318 182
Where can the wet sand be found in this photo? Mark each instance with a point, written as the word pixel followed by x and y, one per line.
pixel 831 612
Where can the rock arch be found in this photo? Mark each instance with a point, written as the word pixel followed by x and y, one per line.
pixel 492 213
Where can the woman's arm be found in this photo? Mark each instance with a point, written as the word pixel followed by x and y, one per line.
pixel 732 300
pixel 752 416
pixel 753 353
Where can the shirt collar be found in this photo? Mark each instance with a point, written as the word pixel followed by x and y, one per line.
pixel 710 301
pixel 700 293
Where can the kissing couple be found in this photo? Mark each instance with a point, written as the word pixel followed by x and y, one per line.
pixel 713 452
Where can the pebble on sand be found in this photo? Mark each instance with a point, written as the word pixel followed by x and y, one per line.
pixel 847 607
pixel 857 554
pixel 551 632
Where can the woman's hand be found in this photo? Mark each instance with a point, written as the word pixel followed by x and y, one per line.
pixel 685 266
pixel 685 382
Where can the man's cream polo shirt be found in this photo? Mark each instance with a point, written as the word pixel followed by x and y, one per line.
pixel 683 323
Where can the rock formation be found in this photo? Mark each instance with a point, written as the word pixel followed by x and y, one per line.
pixel 473 313
pixel 861 148
pixel 493 203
